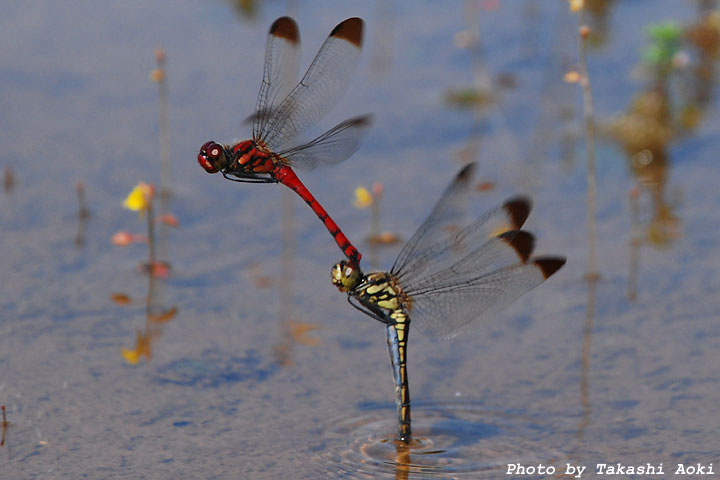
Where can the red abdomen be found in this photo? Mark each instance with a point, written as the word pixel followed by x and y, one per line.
pixel 248 157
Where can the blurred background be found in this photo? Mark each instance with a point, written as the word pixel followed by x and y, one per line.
pixel 201 337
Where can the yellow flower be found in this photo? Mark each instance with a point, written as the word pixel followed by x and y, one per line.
pixel 142 349
pixel 363 198
pixel 131 356
pixel 575 5
pixel 139 199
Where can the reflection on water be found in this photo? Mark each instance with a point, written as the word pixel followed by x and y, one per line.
pixel 481 94
pixel 156 316
pixel 213 369
pixel 250 9
pixel 246 8
pixel 594 380
pixel 679 64
pixel 83 214
pixel 598 19
pixel 159 76
pixel 589 118
pixel 8 179
pixel 585 364
pixel 635 243
pixel 382 42
pixel 449 441
pixel 5 425
pixel 156 313
pixel 592 276
pixel 376 238
pixel 557 128
pixel 144 200
pixel 291 330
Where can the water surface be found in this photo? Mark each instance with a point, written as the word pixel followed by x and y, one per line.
pixel 265 371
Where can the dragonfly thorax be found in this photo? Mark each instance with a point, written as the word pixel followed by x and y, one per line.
pixel 249 156
pixel 381 290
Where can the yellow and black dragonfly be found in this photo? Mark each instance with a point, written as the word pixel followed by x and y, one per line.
pixel 446 279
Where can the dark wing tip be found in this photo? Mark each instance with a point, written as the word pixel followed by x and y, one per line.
pixel 285 27
pixel 363 120
pixel 521 241
pixel 466 173
pixel 350 30
pixel 518 209
pixel 549 265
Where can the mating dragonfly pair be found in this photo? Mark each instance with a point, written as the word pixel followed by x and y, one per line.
pixel 441 282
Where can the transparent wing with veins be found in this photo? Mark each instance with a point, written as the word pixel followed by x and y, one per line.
pixel 318 90
pixel 438 243
pixel 447 309
pixel 330 148
pixel 445 215
pixel 280 71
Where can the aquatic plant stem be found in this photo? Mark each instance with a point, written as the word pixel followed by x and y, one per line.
pixel 4 427
pixel 83 214
pixel 375 218
pixel 151 237
pixel 164 123
pixel 584 32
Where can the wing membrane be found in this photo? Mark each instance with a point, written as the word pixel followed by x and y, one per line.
pixel 320 88
pixel 428 251
pixel 445 215
pixel 449 309
pixel 510 248
pixel 280 72
pixel 330 148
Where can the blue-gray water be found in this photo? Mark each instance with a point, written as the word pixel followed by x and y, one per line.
pixel 266 371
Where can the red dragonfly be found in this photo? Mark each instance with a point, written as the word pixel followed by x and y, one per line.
pixel 285 109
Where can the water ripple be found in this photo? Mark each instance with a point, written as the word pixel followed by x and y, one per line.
pixel 450 441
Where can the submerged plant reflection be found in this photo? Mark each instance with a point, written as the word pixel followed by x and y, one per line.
pixel 365 198
pixel 141 200
pixel 5 424
pixel 679 64
pixel 8 180
pixel 83 214
pixel 292 330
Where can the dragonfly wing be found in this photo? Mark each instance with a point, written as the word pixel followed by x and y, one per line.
pixel 320 88
pixel 428 251
pixel 510 248
pixel 280 72
pixel 330 148
pixel 449 309
pixel 443 218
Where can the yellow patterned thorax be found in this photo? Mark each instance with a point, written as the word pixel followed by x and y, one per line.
pixel 382 290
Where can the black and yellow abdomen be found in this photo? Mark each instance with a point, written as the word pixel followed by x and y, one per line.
pixel 380 290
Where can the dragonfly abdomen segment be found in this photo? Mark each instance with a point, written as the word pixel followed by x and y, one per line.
pixel 397 344
pixel 380 290
pixel 287 177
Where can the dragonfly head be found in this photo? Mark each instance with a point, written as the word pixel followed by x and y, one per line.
pixel 346 275
pixel 212 157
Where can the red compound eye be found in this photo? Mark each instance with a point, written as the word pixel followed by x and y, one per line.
pixel 212 157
